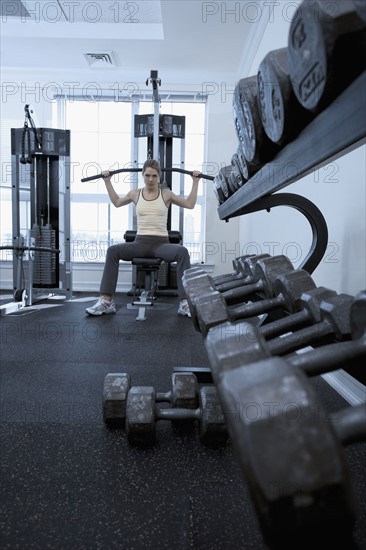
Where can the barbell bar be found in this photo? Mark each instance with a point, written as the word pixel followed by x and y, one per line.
pixel 121 170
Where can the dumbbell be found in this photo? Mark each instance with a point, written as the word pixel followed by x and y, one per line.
pixel 246 168
pixel 219 192
pixel 184 394
pixel 237 345
pixel 340 354
pixel 225 183
pixel 222 180
pixel 236 274
pixel 234 181
pixel 212 309
pixel 326 47
pixel 234 340
pixel 290 451
pixel 257 147
pixel 283 117
pixel 142 415
pixel 240 173
pixel 197 281
pixel 308 313
pixel 200 286
pixel 115 390
pixel 200 282
pixel 230 181
pixel 334 325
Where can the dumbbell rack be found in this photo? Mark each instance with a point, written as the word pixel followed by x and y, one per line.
pixel 319 143
pixel 261 372
pixel 249 367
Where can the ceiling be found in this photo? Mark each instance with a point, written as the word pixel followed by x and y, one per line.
pixel 187 41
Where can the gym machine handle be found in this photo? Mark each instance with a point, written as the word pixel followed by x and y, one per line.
pixel 113 172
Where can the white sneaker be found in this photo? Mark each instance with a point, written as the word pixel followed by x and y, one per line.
pixel 100 307
pixel 184 309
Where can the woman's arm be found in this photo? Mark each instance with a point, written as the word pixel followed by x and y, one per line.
pixel 116 200
pixel 188 202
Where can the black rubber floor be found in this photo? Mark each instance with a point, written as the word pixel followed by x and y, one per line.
pixel 69 482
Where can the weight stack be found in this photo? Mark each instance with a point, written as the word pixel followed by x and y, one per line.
pixel 44 264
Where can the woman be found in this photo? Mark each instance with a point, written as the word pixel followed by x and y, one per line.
pixel 152 240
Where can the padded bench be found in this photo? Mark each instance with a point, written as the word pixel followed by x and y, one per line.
pixel 147 272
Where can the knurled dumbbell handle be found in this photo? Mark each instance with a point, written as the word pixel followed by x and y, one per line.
pixel 177 414
pixel 224 286
pixel 258 308
pixel 249 284
pixel 227 277
pixel 300 338
pixel 329 357
pixel 232 296
pixel 350 424
pixel 162 397
pixel 231 285
pixel 280 326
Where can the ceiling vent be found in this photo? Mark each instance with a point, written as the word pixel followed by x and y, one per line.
pixel 101 60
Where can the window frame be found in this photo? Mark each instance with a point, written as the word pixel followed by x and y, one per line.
pixel 137 99
pixel 58 117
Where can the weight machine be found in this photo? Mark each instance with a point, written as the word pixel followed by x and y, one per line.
pixel 40 213
pixel 160 132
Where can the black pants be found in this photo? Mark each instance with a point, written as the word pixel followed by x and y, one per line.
pixel 144 247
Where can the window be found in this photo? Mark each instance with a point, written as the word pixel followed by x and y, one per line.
pixel 102 137
pixel 5 189
pixel 194 113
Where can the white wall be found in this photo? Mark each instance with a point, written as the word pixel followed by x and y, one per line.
pixel 221 238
